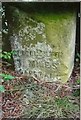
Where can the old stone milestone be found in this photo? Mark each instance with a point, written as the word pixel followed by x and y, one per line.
pixel 44 44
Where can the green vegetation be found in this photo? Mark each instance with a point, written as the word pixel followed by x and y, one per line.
pixel 76 92
pixel 7 55
pixel 2 89
pixel 78 81
pixel 7 76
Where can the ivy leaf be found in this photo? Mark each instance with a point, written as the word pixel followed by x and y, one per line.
pixel 7 77
pixel 5 52
pixel 2 89
pixel 9 57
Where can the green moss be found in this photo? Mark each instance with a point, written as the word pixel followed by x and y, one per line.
pixel 58 29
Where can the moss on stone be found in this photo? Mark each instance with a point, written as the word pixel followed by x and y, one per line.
pixel 58 30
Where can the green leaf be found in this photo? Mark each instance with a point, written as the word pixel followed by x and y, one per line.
pixel 8 77
pixel 2 89
pixel 9 57
pixel 5 56
pixel 2 75
pixel 12 52
pixel 5 52
pixel 76 93
pixel 1 55
pixel 78 81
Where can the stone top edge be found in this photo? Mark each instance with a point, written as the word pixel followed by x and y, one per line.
pixel 40 0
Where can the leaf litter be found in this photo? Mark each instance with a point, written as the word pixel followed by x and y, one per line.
pixel 28 97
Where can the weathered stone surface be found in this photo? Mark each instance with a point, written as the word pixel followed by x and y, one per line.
pixel 44 43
